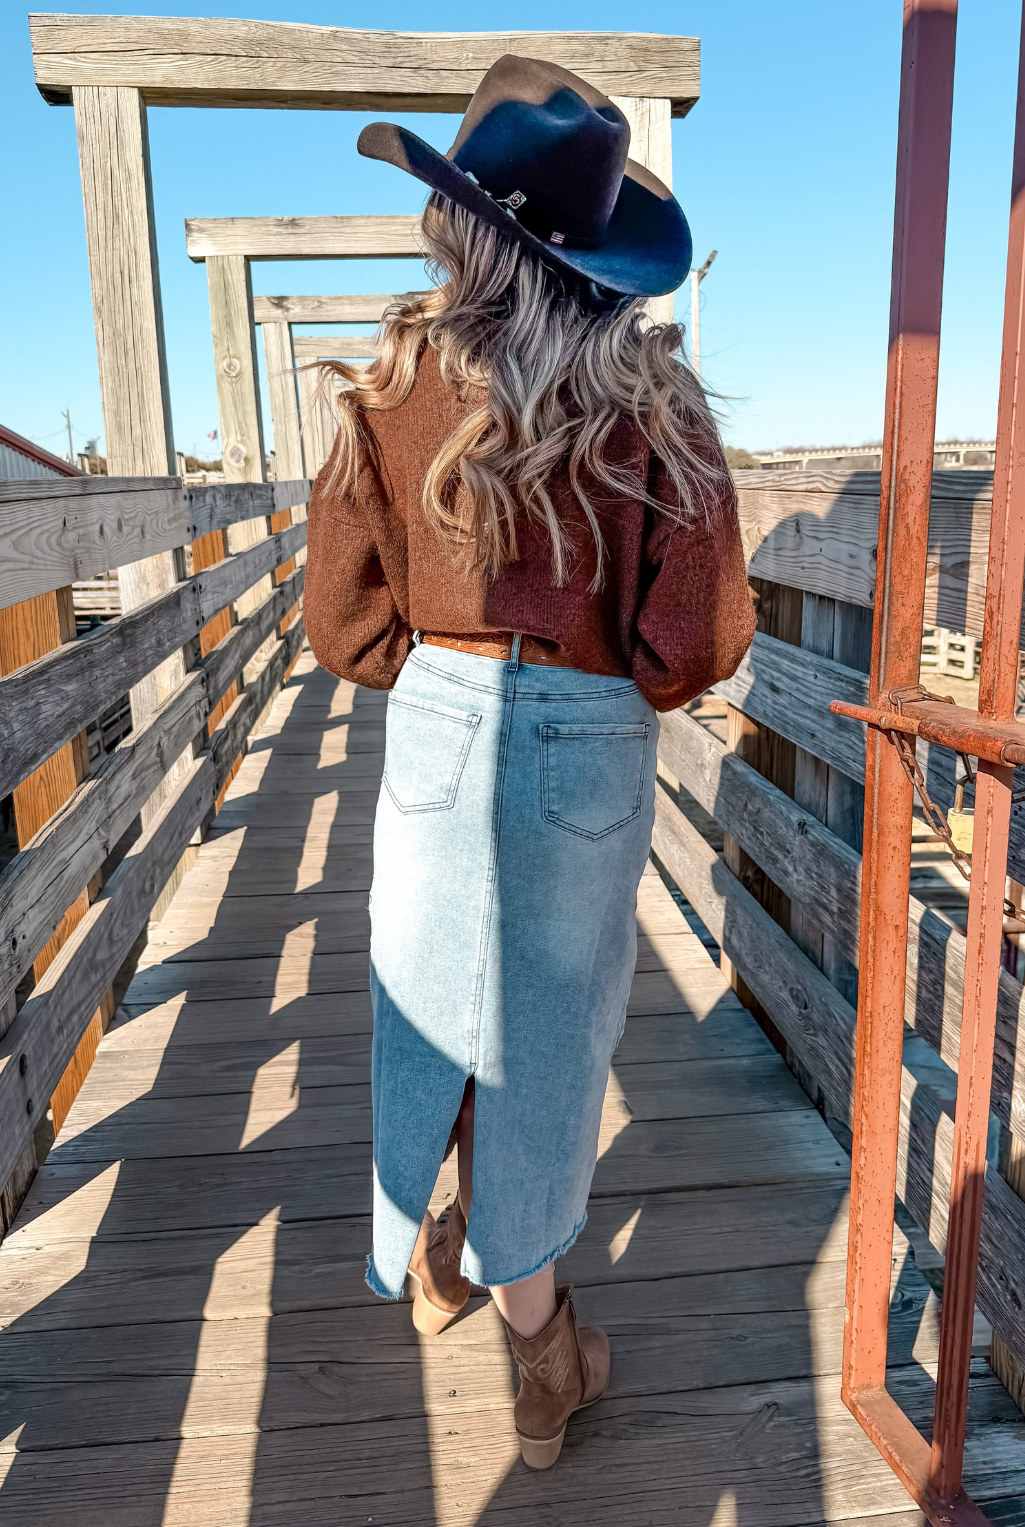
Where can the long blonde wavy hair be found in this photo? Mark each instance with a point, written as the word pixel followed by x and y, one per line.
pixel 555 366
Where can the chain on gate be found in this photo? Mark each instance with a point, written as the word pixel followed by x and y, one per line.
pixel 934 816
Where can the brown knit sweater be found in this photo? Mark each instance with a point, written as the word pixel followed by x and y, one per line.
pixel 674 614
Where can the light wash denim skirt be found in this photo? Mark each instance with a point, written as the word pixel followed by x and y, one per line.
pixel 512 829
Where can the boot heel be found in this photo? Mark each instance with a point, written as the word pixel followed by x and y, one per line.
pixel 541 1455
pixel 428 1319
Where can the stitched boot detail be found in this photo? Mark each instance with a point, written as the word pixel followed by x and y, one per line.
pixel 562 1369
pixel 439 1288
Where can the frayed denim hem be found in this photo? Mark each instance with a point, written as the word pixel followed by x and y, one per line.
pixel 553 1256
pixel 375 1285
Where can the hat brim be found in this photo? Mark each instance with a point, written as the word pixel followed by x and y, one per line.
pixel 647 248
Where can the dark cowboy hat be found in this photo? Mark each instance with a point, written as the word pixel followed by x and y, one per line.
pixel 542 156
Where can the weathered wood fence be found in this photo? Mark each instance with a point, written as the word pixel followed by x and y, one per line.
pixel 75 899
pixel 783 900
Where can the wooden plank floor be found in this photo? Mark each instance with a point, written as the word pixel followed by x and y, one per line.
pixel 185 1335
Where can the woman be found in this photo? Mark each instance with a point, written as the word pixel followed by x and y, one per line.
pixel 527 533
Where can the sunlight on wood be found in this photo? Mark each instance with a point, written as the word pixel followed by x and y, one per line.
pixel 243 1277
pixel 316 842
pixel 249 778
pixel 459 1501
pixel 9 1451
pixel 219 858
pixel 621 1240
pixel 275 1094
pixel 85 1115
pixel 341 700
pixel 79 1217
pixel 293 977
pixel 146 1031
pixel 334 747
pixel 280 713
pixel 208 1393
pixel 725 1513
pixel 615 1115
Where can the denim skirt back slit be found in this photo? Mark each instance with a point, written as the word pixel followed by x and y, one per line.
pixel 512 830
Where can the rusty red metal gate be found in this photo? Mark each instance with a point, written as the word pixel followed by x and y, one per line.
pixel 932 1473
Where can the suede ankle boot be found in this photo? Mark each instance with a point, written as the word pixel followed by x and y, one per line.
pixel 438 1287
pixel 562 1369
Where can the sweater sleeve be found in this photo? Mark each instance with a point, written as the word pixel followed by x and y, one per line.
pixel 696 620
pixel 354 624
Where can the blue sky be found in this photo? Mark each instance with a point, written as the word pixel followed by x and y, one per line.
pixel 785 166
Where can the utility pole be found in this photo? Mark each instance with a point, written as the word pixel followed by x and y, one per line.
pixel 696 278
pixel 71 448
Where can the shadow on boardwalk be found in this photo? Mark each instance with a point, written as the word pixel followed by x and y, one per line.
pixel 188 1337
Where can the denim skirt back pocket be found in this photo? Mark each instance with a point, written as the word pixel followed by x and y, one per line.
pixel 426 747
pixel 592 777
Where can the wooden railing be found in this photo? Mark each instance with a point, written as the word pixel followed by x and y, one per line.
pixel 817 530
pixel 51 534
pixel 814 535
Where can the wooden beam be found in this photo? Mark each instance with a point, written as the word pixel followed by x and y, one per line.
pixel 316 395
pixel 50 871
pixel 113 146
pixel 238 398
pixel 59 531
pixel 346 346
pixel 370 237
pixel 279 356
pixel 219 506
pixel 39 1043
pixel 789 690
pixel 284 404
pixel 238 390
pixel 819 1026
pixel 44 705
pixel 817 531
pixel 344 309
pixel 213 62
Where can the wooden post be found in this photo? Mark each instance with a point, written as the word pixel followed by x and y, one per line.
pixel 238 392
pixel 284 410
pixel 651 144
pixel 113 148
pixel 319 428
pixel 284 403
pixel 238 399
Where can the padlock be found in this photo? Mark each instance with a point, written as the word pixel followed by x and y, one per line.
pixel 961 824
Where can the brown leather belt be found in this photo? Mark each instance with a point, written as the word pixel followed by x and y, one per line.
pixel 497 644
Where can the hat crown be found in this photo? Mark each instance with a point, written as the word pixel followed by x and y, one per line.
pixel 541 157
pixel 531 134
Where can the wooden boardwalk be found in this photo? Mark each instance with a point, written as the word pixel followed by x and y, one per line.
pixel 187 1338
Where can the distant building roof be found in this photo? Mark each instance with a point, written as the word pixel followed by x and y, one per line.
pixel 948 454
pixel 21 458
